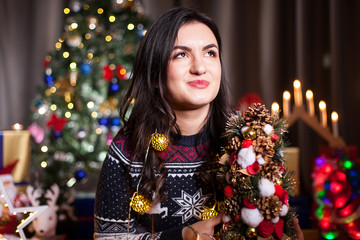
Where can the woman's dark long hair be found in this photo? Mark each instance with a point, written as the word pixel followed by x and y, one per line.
pixel 151 111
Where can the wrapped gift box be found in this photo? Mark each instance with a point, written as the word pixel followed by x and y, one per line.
pixel 15 145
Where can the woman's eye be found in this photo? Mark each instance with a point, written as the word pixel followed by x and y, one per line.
pixel 180 55
pixel 211 53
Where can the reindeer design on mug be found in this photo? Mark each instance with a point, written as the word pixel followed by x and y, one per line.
pixel 45 224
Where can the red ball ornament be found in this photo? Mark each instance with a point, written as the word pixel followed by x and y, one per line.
pixel 265 228
pixel 237 218
pixel 246 143
pixel 253 168
pixel 279 228
pixel 228 191
pixel 107 73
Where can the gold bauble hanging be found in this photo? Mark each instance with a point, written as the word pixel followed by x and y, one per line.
pixel 159 142
pixel 249 134
pixel 139 203
pixel 251 232
pixel 209 213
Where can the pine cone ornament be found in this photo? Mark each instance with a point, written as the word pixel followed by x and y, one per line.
pixel 270 207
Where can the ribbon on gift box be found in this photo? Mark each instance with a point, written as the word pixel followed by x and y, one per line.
pixel 15 144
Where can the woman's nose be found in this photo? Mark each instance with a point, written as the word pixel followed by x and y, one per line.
pixel 198 66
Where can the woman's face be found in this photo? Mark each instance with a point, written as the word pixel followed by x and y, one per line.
pixel 194 70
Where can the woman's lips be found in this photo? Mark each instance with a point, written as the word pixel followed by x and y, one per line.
pixel 199 83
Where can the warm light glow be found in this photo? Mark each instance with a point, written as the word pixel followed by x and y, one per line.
pixel 334 116
pixel 92 26
pixel 123 71
pixel 130 26
pixel 86 7
pixel 17 126
pixel 112 18
pixel 90 104
pixel 112 67
pixel 100 11
pixel 322 105
pixel 66 10
pixel 73 26
pixel 98 131
pixel 90 55
pixel 70 105
pixel 66 54
pixel 44 148
pixel 73 66
pixel 58 46
pixel 67 96
pixel 53 89
pixel 81 45
pixel 43 164
pixel 53 107
pixel 309 94
pixel 297 84
pixel 68 114
pixel 287 95
pixel 108 38
pixel 87 36
pixel 275 108
pixel 94 114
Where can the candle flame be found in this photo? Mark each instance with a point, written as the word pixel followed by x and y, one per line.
pixel 309 94
pixel 322 105
pixel 334 116
pixel 297 84
pixel 286 95
pixel 275 106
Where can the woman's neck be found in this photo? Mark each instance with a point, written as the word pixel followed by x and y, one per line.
pixel 191 122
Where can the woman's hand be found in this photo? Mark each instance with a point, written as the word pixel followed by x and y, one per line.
pixel 299 233
pixel 202 230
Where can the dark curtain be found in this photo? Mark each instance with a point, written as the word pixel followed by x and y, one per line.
pixel 267 44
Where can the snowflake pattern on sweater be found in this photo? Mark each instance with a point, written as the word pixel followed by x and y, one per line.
pixel 185 203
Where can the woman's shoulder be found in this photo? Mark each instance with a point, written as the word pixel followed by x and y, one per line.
pixel 119 145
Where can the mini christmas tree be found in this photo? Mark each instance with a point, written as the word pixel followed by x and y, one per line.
pixel 253 177
pixel 75 114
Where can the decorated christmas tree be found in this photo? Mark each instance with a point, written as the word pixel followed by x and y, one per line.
pixel 336 188
pixel 75 114
pixel 254 178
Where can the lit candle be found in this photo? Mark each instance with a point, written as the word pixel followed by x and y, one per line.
pixel 323 118
pixel 17 126
pixel 334 120
pixel 275 109
pixel 297 93
pixel 286 103
pixel 310 102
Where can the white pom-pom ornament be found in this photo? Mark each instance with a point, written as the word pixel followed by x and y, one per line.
pixel 251 217
pixel 246 157
pixel 284 210
pixel 260 160
pixel 243 129
pixel 266 187
pixel 268 129
pixel 275 220
pixel 226 218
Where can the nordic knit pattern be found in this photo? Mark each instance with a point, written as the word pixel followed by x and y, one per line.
pixel 185 202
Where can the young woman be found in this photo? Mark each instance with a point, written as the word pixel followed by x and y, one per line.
pixel 179 91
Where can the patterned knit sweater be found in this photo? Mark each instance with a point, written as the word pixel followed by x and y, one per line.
pixel 186 199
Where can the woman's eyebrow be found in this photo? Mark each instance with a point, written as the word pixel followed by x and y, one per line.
pixel 188 49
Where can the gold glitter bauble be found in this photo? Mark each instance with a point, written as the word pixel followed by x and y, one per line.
pixel 249 134
pixel 159 142
pixel 209 213
pixel 251 232
pixel 139 203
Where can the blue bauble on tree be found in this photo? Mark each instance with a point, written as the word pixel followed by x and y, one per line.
pixel 79 175
pixel 85 69
pixel 49 80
